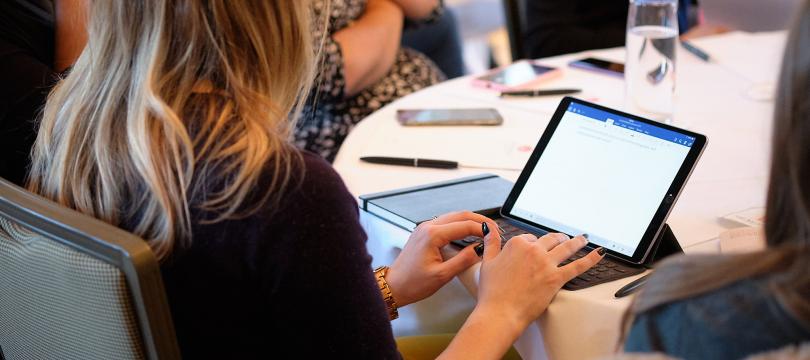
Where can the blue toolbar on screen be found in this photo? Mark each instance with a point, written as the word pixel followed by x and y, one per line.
pixel 631 124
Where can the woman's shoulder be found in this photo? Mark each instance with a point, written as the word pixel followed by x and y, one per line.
pixel 304 192
pixel 318 181
pixel 315 199
pixel 735 320
pixel 313 211
pixel 304 186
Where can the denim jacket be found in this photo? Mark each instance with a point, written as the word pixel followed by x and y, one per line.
pixel 732 322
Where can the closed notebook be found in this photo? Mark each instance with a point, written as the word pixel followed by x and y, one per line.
pixel 409 207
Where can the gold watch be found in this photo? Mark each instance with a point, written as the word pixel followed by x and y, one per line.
pixel 388 296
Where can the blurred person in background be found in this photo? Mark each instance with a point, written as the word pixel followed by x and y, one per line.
pixel 439 40
pixel 365 67
pixel 556 27
pixel 39 39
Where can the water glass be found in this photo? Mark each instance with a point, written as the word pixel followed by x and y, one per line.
pixel 652 37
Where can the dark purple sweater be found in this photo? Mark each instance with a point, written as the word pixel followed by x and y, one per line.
pixel 292 282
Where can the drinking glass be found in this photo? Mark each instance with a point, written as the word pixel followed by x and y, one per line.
pixel 652 37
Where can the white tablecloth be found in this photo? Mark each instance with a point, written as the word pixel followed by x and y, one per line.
pixel 722 100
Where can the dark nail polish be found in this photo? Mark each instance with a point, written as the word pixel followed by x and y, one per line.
pixel 484 228
pixel 585 235
pixel 601 251
pixel 479 249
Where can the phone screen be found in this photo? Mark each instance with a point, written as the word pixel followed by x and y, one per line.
pixel 485 116
pixel 599 65
pixel 517 74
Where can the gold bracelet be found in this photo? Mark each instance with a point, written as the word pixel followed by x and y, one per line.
pixel 388 296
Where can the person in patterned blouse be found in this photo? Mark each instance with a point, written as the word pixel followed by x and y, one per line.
pixel 363 66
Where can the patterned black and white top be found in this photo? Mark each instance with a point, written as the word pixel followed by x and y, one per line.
pixel 329 114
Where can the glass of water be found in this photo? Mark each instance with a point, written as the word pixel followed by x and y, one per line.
pixel 652 37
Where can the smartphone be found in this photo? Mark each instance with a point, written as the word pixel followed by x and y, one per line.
pixel 600 66
pixel 520 75
pixel 448 117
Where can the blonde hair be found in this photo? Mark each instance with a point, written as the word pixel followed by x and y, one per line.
pixel 173 105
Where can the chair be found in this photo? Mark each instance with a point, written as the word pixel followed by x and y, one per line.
pixel 74 287
pixel 515 13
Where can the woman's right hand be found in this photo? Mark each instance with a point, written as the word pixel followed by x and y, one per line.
pixel 519 281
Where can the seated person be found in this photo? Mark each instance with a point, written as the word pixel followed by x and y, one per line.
pixel 440 41
pixel 173 125
pixel 38 40
pixel 556 27
pixel 364 68
pixel 732 306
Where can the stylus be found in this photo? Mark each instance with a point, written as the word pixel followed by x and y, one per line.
pixel 632 287
pixel 537 93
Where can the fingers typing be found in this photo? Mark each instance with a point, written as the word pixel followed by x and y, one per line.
pixel 579 266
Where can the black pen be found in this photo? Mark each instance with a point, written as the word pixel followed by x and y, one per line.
pixel 537 93
pixel 426 163
pixel 696 51
pixel 632 287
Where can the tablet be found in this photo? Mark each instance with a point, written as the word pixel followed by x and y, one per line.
pixel 605 173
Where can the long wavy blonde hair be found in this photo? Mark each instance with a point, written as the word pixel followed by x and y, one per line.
pixel 176 104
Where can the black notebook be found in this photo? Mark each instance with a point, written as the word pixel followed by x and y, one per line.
pixel 408 207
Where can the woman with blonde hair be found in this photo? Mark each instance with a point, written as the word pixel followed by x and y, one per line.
pixel 173 125
pixel 732 306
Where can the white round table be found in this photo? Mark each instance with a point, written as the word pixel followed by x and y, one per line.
pixel 715 99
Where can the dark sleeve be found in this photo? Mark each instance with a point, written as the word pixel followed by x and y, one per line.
pixel 327 290
pixel 557 27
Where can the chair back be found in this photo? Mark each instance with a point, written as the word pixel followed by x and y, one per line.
pixel 74 287
pixel 515 14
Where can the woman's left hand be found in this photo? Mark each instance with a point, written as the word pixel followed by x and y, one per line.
pixel 419 271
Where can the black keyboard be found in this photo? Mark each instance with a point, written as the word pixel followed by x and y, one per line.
pixel 604 271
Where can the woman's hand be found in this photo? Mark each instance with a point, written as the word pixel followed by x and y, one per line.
pixel 516 286
pixel 520 281
pixel 419 271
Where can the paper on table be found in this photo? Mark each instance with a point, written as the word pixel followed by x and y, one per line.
pixel 753 217
pixel 747 61
pixel 742 240
pixel 489 147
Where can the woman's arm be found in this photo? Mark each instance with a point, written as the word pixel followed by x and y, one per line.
pixel 71 32
pixel 417 9
pixel 320 292
pixel 370 45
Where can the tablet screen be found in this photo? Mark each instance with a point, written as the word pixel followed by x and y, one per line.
pixel 604 175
